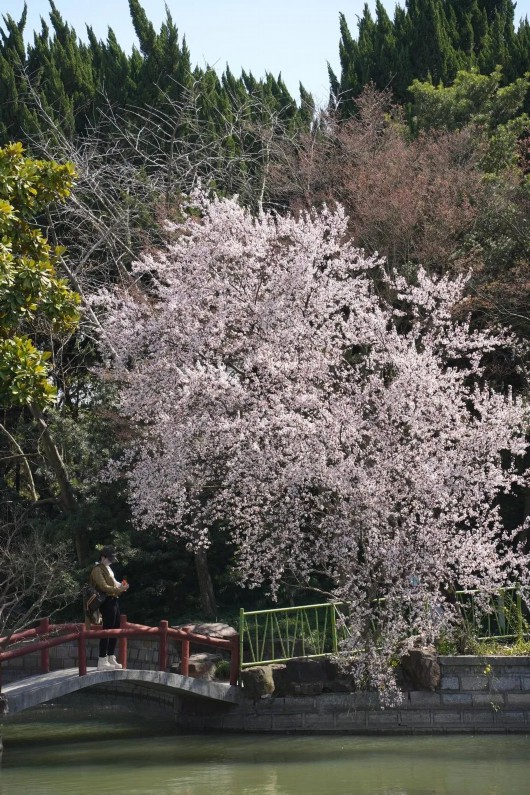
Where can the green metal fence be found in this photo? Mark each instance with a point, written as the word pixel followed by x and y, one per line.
pixel 507 617
pixel 274 636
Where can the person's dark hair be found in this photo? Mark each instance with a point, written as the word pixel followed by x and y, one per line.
pixel 108 552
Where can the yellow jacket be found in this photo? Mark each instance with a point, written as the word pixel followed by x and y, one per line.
pixel 101 579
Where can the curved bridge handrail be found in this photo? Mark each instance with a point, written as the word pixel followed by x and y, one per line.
pixel 46 636
pixel 45 643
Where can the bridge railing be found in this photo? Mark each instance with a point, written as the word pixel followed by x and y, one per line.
pixel 46 635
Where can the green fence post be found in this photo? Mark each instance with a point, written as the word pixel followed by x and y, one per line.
pixel 334 640
pixel 241 629
pixel 519 616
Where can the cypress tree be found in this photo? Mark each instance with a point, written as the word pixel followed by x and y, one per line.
pixel 12 59
pixel 73 82
pixel 427 40
pixel 345 89
pixel 521 56
pixel 234 88
pixel 385 51
pixel 144 30
pixel 112 70
pixel 307 108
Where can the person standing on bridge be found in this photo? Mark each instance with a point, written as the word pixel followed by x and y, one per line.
pixel 102 577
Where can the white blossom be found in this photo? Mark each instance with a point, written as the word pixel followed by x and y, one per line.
pixel 333 418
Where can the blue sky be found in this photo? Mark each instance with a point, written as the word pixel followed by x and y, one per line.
pixel 294 37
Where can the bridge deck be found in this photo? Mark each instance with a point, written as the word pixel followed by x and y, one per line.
pixel 35 690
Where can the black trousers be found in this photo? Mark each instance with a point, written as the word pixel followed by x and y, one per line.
pixel 110 613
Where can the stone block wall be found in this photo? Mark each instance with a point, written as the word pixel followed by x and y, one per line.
pixel 476 694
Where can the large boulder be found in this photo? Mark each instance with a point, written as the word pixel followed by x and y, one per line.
pixel 300 677
pixel 307 677
pixel 258 681
pixel 337 679
pixel 422 669
pixel 203 665
pixel 214 629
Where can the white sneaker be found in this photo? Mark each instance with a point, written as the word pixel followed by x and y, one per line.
pixel 114 662
pixel 104 664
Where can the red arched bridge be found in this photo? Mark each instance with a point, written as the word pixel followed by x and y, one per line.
pixel 47 685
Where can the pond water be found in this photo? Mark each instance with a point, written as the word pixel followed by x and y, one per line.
pixel 65 750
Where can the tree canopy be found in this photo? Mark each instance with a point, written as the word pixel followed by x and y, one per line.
pixel 330 431
pixel 73 82
pixel 337 421
pixel 428 40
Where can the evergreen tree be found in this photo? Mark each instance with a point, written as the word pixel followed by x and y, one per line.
pixel 165 71
pixel 112 70
pixel 65 81
pixel 385 48
pixel 428 40
pixel 12 56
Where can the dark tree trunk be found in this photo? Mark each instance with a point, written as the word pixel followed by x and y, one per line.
pixel 208 605
pixel 67 498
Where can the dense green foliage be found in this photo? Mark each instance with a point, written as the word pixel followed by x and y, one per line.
pixel 425 142
pixel 429 40
pixel 33 300
pixel 72 82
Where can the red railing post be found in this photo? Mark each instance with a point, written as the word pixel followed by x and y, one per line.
pixel 81 650
pixel 122 644
pixel 185 658
pixel 44 628
pixel 163 650
pixel 234 661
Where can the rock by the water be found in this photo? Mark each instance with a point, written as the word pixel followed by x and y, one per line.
pixel 258 681
pixel 422 668
pixel 337 679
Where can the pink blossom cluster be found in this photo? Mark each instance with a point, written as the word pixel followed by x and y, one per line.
pixel 332 417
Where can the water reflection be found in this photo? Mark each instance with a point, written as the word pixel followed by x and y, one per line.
pixel 69 752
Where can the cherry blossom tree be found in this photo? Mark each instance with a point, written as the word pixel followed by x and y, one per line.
pixel 333 417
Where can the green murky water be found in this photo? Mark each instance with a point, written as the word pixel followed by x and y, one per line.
pixel 107 751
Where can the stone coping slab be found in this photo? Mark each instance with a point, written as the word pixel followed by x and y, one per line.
pixel 480 659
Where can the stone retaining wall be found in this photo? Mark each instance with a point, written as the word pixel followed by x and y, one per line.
pixel 476 694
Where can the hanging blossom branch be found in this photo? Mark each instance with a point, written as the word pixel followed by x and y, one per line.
pixel 326 424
